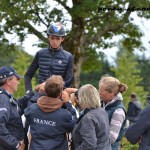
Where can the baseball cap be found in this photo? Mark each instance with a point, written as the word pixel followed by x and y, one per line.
pixel 6 71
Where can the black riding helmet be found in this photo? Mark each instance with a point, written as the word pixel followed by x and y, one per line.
pixel 56 29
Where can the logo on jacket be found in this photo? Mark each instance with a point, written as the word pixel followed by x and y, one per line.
pixel 60 62
pixel 44 122
pixel 3 109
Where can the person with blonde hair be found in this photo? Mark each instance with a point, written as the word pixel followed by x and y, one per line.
pixel 110 90
pixel 92 128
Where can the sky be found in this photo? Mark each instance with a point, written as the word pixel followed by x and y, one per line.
pixel 110 53
pixel 145 28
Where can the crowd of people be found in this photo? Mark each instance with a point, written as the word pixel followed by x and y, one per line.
pixel 59 117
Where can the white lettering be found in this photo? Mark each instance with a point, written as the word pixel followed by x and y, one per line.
pixel 3 109
pixel 46 122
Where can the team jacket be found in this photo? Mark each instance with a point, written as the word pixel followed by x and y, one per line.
pixel 139 131
pixel 11 128
pixel 50 62
pixel 49 123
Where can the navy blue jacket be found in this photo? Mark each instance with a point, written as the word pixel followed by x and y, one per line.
pixel 50 62
pixel 134 108
pixel 140 130
pixel 48 129
pixel 11 128
pixel 35 97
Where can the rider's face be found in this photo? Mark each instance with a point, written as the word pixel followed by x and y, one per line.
pixel 55 41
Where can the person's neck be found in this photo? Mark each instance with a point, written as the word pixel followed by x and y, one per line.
pixel 7 88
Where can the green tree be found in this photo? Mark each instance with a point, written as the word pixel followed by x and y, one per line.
pixel 7 53
pixel 90 25
pixel 21 64
pixel 144 65
pixel 91 75
pixel 127 72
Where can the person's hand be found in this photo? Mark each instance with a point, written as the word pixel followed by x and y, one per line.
pixel 72 98
pixel 40 88
pixel 22 145
pixel 65 96
pixel 70 90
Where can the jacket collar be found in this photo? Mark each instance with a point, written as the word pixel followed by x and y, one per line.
pixel 118 97
pixel 48 104
pixel 55 50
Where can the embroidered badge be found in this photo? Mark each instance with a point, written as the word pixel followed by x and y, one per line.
pixel 3 109
pixel 60 62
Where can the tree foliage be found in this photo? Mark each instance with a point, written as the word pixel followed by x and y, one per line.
pixel 144 65
pixel 21 64
pixel 7 54
pixel 126 70
pixel 93 76
pixel 20 60
pixel 90 26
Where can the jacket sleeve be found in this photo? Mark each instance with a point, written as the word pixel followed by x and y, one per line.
pixel 88 134
pixel 6 139
pixel 30 73
pixel 69 118
pixel 69 72
pixel 27 114
pixel 140 125
pixel 23 102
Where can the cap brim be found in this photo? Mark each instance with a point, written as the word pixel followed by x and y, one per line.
pixel 18 76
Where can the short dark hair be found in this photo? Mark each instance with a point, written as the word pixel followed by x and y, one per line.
pixel 133 95
pixel 3 81
pixel 54 86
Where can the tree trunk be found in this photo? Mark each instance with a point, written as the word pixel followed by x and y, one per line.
pixel 77 72
pixel 75 44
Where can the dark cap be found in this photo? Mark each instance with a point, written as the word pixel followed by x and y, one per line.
pixel 6 72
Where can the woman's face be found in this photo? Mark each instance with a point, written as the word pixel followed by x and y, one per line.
pixel 105 95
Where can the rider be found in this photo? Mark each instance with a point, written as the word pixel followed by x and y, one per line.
pixel 53 60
